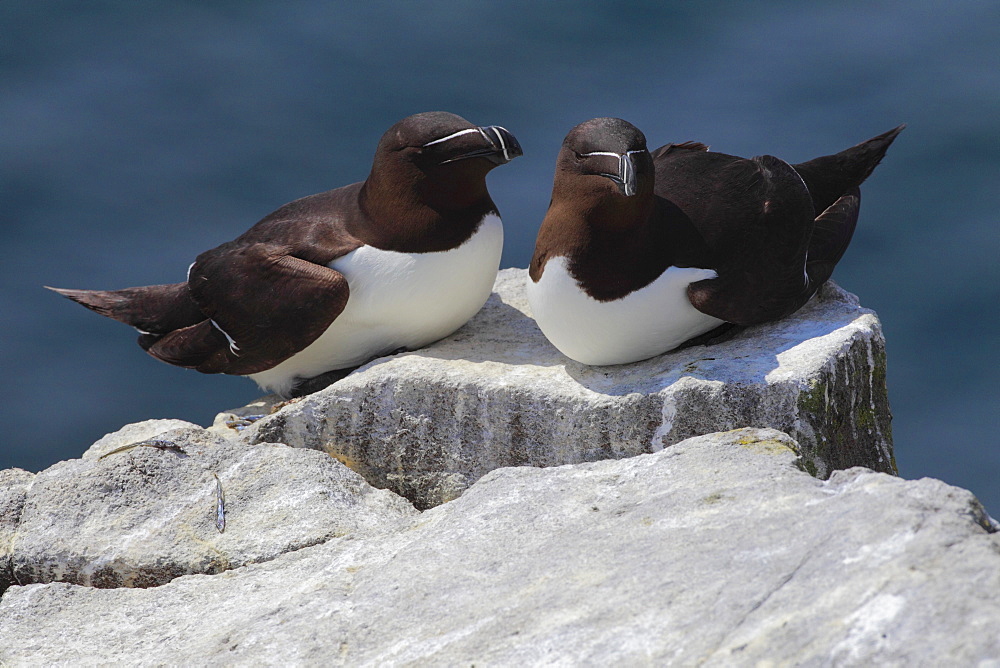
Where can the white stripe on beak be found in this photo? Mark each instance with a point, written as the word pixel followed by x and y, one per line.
pixel 451 136
pixel 624 169
pixel 503 144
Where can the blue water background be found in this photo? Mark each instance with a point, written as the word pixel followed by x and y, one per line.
pixel 134 135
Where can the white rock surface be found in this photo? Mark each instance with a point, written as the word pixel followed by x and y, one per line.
pixel 718 551
pixel 144 516
pixel 496 393
pixel 14 485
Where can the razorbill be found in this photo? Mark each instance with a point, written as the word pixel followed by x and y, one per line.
pixel 333 280
pixel 641 251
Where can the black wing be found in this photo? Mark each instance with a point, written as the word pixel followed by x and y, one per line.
pixel 769 220
pixel 262 304
pixel 831 235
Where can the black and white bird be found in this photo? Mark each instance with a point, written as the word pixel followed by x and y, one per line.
pixel 333 280
pixel 642 251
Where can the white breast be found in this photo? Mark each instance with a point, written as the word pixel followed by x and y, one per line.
pixel 644 323
pixel 397 300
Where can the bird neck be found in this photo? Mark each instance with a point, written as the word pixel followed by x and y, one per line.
pixel 422 214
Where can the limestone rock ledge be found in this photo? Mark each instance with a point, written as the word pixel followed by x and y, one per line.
pixel 427 424
pixel 717 551
pixel 142 516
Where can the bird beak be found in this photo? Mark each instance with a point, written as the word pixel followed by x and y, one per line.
pixel 505 145
pixel 619 168
pixel 626 174
pixel 493 142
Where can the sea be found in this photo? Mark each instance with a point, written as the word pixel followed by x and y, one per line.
pixel 134 135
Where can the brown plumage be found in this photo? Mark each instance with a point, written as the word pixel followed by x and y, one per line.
pixel 622 216
pixel 254 302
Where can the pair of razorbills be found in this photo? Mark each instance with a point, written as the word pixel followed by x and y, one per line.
pixel 640 251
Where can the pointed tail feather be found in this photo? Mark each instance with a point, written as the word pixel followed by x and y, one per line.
pixel 831 235
pixel 156 309
pixel 831 176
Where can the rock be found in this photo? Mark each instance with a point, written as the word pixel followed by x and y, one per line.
pixel 232 422
pixel 429 423
pixel 137 432
pixel 14 485
pixel 143 516
pixel 717 551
